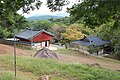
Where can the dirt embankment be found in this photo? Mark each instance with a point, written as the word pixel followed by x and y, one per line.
pixel 7 49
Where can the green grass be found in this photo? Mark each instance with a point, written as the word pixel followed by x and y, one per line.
pixel 68 51
pixel 59 70
pixel 78 53
pixel 7 76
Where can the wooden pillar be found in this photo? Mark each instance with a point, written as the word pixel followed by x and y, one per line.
pixel 48 43
pixel 103 49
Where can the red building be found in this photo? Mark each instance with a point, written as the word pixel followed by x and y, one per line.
pixel 38 38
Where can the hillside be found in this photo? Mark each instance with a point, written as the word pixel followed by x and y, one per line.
pixel 57 70
pixel 68 67
pixel 43 17
pixel 69 56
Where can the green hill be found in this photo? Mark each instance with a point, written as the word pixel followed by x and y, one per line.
pixel 43 17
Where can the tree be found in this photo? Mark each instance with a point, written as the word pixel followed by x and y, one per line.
pixel 103 13
pixel 9 8
pixel 93 49
pixel 116 42
pixel 117 50
pixel 27 5
pixel 4 33
pixel 41 24
pixel 57 31
pixel 96 12
pixel 21 23
pixel 105 31
pixel 73 32
pixel 64 20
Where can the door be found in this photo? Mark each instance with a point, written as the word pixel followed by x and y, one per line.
pixel 43 44
pixel 46 44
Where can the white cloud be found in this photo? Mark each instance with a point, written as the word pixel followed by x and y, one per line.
pixel 45 11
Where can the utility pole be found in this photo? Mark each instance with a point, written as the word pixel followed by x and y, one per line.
pixel 14 55
pixel 14 48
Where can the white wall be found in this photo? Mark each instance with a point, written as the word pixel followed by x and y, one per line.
pixel 40 45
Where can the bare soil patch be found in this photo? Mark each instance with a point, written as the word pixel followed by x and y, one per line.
pixel 91 60
pixel 7 49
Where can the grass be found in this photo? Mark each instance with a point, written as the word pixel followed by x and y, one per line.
pixel 78 53
pixel 8 76
pixel 59 70
pixel 68 51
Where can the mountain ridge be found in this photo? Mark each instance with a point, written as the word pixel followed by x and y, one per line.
pixel 43 17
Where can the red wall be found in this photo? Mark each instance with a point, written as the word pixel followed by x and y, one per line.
pixel 42 37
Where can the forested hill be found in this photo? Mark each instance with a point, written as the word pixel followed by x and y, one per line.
pixel 43 17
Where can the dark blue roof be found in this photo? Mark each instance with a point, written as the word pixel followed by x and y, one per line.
pixel 95 40
pixel 30 33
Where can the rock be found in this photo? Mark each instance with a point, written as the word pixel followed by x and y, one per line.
pixel 46 53
pixel 94 65
pixel 44 77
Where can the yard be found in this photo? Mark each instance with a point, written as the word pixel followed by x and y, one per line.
pixel 68 67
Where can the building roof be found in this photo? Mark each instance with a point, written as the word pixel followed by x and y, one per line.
pixel 30 33
pixel 95 40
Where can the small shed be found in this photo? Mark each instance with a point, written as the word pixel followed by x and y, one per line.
pixel 46 53
pixel 37 38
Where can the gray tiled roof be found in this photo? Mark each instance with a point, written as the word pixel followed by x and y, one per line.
pixel 81 42
pixel 91 40
pixel 30 33
pixel 97 41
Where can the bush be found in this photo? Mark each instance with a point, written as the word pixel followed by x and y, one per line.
pixel 117 50
pixel 93 49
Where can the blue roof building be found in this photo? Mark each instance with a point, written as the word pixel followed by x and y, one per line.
pixel 91 40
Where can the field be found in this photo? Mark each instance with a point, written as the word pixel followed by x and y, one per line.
pixel 71 56
pixel 68 67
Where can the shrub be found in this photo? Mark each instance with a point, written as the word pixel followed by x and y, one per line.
pixel 93 49
pixel 117 50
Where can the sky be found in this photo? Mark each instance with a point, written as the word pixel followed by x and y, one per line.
pixel 45 11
